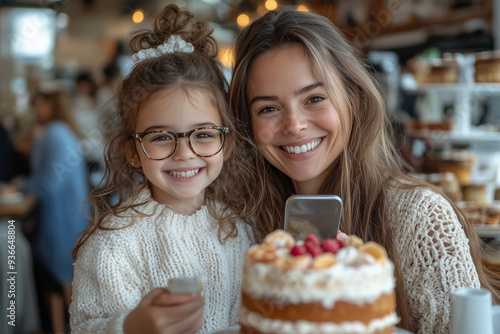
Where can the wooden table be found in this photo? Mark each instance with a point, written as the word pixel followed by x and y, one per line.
pixel 20 209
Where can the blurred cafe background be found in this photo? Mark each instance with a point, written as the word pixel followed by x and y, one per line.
pixel 437 62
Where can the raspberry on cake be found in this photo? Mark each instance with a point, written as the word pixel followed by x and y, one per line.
pixel 312 286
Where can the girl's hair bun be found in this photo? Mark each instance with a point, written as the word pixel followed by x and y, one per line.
pixel 173 20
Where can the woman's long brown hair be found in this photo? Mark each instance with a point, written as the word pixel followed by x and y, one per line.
pixel 369 160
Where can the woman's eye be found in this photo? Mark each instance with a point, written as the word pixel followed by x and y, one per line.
pixel 315 99
pixel 267 110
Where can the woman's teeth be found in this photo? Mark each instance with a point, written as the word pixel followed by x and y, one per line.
pixel 302 149
pixel 187 173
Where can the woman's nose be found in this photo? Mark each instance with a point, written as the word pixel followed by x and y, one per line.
pixel 294 121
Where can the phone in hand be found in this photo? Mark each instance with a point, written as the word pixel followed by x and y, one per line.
pixel 184 285
pixel 318 214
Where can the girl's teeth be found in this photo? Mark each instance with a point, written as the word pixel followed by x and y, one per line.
pixel 303 148
pixel 188 173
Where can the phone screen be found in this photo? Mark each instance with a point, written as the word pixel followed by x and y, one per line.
pixel 318 214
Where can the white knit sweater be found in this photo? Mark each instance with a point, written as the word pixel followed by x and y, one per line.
pixel 116 269
pixel 435 255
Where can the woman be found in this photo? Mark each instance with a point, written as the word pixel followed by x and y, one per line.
pixel 316 124
pixel 59 179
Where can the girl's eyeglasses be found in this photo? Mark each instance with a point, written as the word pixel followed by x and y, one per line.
pixel 204 142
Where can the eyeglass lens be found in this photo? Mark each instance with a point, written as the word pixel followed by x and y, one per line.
pixel 205 142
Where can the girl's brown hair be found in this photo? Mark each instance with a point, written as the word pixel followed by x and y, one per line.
pixel 199 70
pixel 369 160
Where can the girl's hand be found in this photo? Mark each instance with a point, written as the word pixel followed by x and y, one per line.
pixel 162 312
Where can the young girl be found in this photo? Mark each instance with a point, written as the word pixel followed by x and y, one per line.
pixel 322 128
pixel 174 138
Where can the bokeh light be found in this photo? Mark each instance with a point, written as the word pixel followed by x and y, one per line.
pixel 243 20
pixel 138 16
pixel 302 8
pixel 271 4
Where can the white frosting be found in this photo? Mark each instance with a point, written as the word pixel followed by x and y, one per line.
pixel 351 256
pixel 348 280
pixel 265 325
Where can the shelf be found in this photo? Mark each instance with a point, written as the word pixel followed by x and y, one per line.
pixel 452 17
pixel 478 87
pixel 485 231
pixel 464 94
pixel 440 137
pixel 485 89
pixel 378 15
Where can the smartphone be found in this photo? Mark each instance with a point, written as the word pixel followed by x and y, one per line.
pixel 318 214
pixel 184 285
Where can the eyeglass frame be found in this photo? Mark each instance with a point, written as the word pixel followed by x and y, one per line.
pixel 187 134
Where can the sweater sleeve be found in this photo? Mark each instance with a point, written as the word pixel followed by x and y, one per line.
pixel 436 259
pixel 106 286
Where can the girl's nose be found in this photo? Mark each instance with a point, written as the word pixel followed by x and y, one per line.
pixel 294 121
pixel 183 151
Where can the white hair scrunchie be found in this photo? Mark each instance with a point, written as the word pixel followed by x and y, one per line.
pixel 175 43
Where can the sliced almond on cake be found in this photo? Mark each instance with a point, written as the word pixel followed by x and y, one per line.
pixel 324 261
pixel 279 239
pixel 262 253
pixel 354 241
pixel 375 250
pixel 294 262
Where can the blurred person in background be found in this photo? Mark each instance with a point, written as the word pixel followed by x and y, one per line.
pixel 14 148
pixel 86 110
pixel 7 151
pixel 96 133
pixel 86 90
pixel 59 179
pixel 107 90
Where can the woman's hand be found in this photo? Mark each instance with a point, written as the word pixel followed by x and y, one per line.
pixel 162 312
pixel 341 235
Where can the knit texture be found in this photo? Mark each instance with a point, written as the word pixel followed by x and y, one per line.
pixel 435 255
pixel 116 269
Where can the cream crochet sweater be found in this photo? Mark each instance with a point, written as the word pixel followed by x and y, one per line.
pixel 435 255
pixel 116 269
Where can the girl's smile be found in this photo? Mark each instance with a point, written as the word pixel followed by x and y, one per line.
pixel 185 174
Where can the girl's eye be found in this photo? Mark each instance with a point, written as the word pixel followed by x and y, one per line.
pixel 160 138
pixel 267 110
pixel 202 135
pixel 315 99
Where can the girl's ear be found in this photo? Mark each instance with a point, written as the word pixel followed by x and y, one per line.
pixel 131 153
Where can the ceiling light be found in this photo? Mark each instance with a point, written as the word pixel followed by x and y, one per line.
pixel 138 16
pixel 243 20
pixel 271 4
pixel 302 8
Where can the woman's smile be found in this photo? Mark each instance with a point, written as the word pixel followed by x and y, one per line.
pixel 301 148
